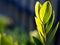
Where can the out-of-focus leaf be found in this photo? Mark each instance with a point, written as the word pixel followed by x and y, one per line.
pixel 39 26
pixel 9 40
pixel 30 43
pixel 45 12
pixel 15 43
pixel 37 41
pixel 0 39
pixel 35 34
pixel 50 22
pixel 3 39
pixel 3 20
pixel 53 33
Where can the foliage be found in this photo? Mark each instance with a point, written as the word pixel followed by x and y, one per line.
pixel 3 22
pixel 44 21
pixel 17 33
pixel 7 40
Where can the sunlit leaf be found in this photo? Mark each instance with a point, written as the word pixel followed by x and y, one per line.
pixel 53 33
pixel 45 12
pixel 39 26
pixel 37 8
pixel 50 22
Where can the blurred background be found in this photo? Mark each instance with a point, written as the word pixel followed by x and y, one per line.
pixel 19 16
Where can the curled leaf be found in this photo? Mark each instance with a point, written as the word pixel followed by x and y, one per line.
pixel 45 12
pixel 50 23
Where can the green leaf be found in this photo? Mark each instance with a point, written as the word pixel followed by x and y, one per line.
pixel 9 40
pixel 42 39
pixel 15 43
pixel 45 12
pixel 53 33
pixel 3 20
pixel 37 41
pixel 50 23
pixel 3 39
